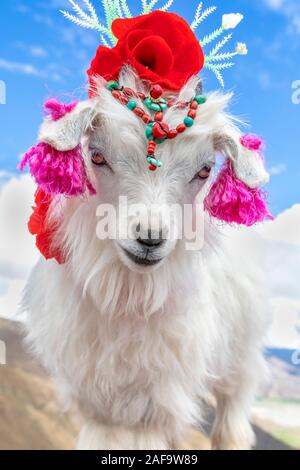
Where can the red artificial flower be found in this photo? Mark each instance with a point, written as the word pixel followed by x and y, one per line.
pixel 160 46
pixel 38 226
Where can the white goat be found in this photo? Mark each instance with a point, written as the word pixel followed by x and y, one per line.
pixel 139 346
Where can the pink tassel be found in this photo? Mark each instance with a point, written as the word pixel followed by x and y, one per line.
pixel 252 142
pixel 231 201
pixel 57 110
pixel 57 172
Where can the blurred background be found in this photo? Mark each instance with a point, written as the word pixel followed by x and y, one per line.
pixel 41 56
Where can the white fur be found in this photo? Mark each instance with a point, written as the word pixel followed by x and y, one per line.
pixel 140 349
pixel 251 169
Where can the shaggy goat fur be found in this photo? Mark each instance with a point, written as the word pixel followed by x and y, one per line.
pixel 140 349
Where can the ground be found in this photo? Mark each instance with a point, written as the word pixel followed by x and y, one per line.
pixel 30 416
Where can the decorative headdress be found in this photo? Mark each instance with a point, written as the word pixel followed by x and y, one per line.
pixel 165 52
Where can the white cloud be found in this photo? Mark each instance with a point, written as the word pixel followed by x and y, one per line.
pixel 286 316
pixel 277 170
pixel 17 247
pixel 264 80
pixel 38 51
pixel 280 243
pixel 275 4
pixel 275 247
pixel 10 300
pixel 27 69
pixel 33 50
pixel 285 228
pixel 4 176
pixel 290 9
pixel 51 71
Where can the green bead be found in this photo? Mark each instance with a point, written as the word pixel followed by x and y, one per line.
pixel 201 99
pixel 189 122
pixel 155 162
pixel 113 85
pixel 149 134
pixel 131 105
pixel 163 107
pixel 155 107
pixel 160 141
pixel 150 105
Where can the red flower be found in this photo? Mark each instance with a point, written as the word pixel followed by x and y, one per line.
pixel 38 226
pixel 160 46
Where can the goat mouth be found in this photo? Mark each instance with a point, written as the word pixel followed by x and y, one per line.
pixel 142 261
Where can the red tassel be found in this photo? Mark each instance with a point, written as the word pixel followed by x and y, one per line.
pixel 44 232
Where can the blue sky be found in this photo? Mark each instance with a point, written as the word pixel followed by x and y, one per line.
pixel 43 55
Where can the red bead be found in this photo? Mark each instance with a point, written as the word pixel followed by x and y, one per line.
pixel 194 105
pixel 116 94
pixel 192 113
pixel 141 95
pixel 128 92
pixel 181 128
pixel 146 118
pixel 151 147
pixel 151 150
pixel 139 112
pixel 124 99
pixel 172 134
pixel 158 116
pixel 152 168
pixel 160 130
pixel 156 91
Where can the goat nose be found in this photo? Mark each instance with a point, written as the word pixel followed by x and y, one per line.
pixel 153 239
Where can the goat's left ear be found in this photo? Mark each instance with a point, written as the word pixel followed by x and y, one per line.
pixel 236 197
pixel 56 162
pixel 246 155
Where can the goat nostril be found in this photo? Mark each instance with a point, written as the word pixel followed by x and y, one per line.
pixel 152 240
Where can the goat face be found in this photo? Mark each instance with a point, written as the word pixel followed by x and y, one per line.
pixel 151 209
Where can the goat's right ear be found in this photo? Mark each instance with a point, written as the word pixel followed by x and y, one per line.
pixel 65 132
pixel 56 162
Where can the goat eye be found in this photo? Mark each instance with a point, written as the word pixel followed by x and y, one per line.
pixel 98 158
pixel 204 173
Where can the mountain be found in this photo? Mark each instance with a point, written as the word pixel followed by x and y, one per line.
pixel 286 356
pixel 30 415
pixel 284 380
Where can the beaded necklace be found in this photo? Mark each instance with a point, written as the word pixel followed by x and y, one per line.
pixel 157 131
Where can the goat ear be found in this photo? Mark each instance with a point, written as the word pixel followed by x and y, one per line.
pixel 56 162
pixel 65 133
pixel 235 196
pixel 246 156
